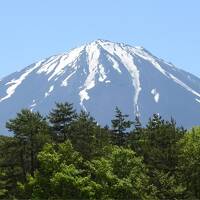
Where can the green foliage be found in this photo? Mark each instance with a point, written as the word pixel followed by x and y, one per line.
pixel 31 132
pixel 157 143
pixel 69 156
pixel 60 176
pixel 87 137
pixel 3 183
pixel 61 118
pixel 134 137
pixel 122 175
pixel 189 161
pixel 119 127
pixel 10 165
pixel 63 174
pixel 168 186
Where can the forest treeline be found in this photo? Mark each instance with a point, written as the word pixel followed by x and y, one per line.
pixel 67 155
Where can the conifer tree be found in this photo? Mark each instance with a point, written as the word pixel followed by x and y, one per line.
pixel 83 137
pixel 160 152
pixel 61 118
pixel 119 126
pixel 31 131
pixel 134 137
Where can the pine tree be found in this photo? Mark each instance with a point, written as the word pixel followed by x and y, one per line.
pixel 133 140
pixel 61 119
pixel 155 122
pixel 161 139
pixel 119 126
pixel 160 151
pixel 83 137
pixel 31 132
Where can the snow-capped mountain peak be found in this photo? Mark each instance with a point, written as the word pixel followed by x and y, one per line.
pixel 97 77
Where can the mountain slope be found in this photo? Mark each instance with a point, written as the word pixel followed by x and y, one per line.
pixel 97 77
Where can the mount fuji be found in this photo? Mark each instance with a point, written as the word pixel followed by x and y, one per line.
pixel 99 76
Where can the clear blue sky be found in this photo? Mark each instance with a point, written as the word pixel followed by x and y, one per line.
pixel 34 29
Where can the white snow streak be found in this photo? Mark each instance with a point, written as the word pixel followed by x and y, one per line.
pixel 50 91
pixel 65 82
pixel 151 59
pixel 65 61
pixel 49 65
pixel 128 62
pixel 102 74
pixel 33 105
pixel 198 100
pixel 16 82
pixel 184 85
pixel 141 53
pixel 93 62
pixel 115 64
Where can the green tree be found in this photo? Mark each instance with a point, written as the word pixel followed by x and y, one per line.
pixel 61 118
pixel 84 135
pixel 168 186
pixel 60 176
pixel 133 138
pixel 189 161
pixel 122 175
pixel 10 167
pixel 160 151
pixel 159 144
pixel 31 131
pixel 64 174
pixel 119 126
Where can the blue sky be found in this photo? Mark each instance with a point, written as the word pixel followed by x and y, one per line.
pixel 35 29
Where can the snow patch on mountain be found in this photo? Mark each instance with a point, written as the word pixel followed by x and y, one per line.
pixel 155 94
pixel 50 91
pixel 102 74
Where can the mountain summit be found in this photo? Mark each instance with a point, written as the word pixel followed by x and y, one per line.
pixel 99 76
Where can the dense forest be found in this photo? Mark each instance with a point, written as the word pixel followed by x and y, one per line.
pixel 67 155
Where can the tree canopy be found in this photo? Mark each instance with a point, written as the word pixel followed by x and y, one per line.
pixel 68 155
